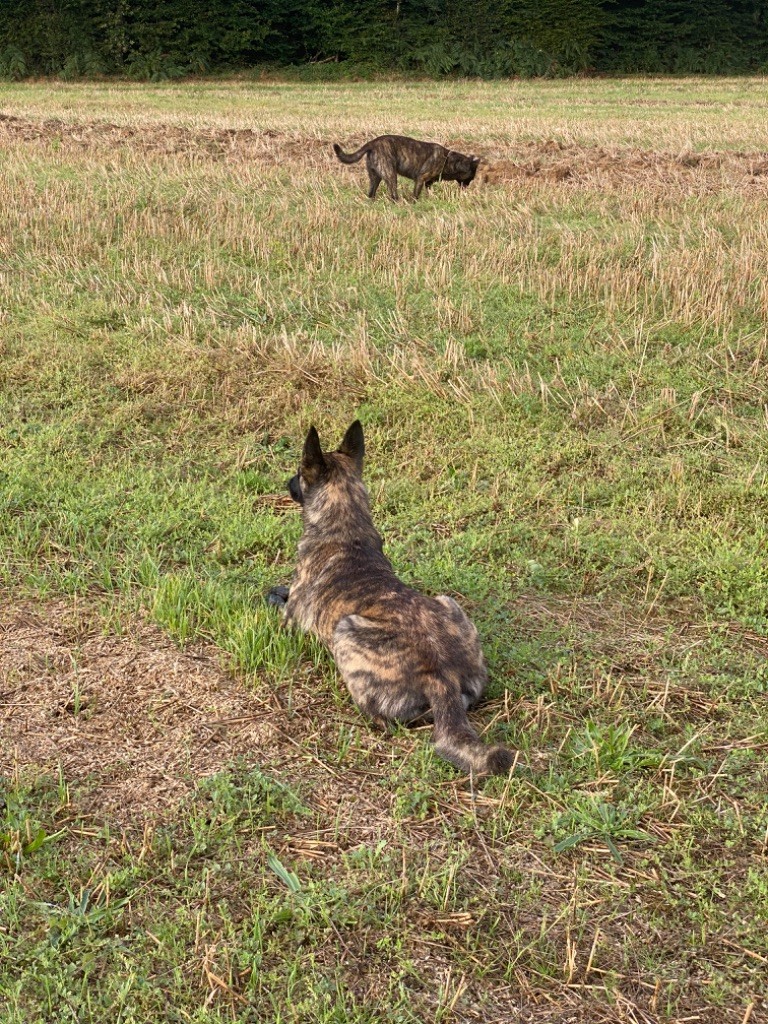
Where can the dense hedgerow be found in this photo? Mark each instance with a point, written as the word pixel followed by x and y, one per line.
pixel 160 39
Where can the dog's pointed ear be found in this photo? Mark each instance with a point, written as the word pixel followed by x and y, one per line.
pixel 353 444
pixel 312 460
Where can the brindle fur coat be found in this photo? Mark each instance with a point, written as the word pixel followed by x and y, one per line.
pixel 404 657
pixel 422 162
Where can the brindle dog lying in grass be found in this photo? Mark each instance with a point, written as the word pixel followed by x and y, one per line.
pixel 422 162
pixel 404 657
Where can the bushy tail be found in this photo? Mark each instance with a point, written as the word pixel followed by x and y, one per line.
pixel 457 741
pixel 350 158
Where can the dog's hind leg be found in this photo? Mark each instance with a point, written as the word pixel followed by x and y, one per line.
pixel 375 179
pixel 390 178
pixel 371 662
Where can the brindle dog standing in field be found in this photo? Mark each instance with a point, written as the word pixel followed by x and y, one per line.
pixel 422 162
pixel 402 655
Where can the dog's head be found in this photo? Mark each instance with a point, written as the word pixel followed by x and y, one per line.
pixel 319 470
pixel 462 168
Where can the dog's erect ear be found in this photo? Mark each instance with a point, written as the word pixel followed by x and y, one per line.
pixel 312 460
pixel 353 444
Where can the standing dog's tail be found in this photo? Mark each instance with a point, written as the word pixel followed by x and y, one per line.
pixel 457 742
pixel 350 158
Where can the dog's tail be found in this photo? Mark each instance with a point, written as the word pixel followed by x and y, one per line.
pixel 350 158
pixel 456 740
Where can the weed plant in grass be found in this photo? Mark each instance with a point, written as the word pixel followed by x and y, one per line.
pixel 563 387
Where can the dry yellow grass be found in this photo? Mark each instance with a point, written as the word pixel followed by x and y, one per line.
pixel 667 114
pixel 585 236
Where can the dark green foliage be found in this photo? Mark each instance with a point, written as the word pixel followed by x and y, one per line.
pixel 156 39
pixel 705 37
pixel 149 39
pixel 437 37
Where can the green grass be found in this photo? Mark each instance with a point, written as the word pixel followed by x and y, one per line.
pixel 562 391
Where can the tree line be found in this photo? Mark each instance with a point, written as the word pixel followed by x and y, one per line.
pixel 157 39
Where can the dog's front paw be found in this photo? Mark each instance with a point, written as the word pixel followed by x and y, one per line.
pixel 277 597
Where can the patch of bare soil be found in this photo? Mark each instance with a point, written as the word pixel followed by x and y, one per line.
pixel 267 146
pixel 548 159
pixel 555 161
pixel 134 716
pixel 133 721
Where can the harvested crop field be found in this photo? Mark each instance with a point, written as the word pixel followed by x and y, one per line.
pixel 562 376
pixel 549 159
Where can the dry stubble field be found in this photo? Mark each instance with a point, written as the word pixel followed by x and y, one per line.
pixel 562 374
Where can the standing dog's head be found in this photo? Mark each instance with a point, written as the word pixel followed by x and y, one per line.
pixel 461 168
pixel 319 468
